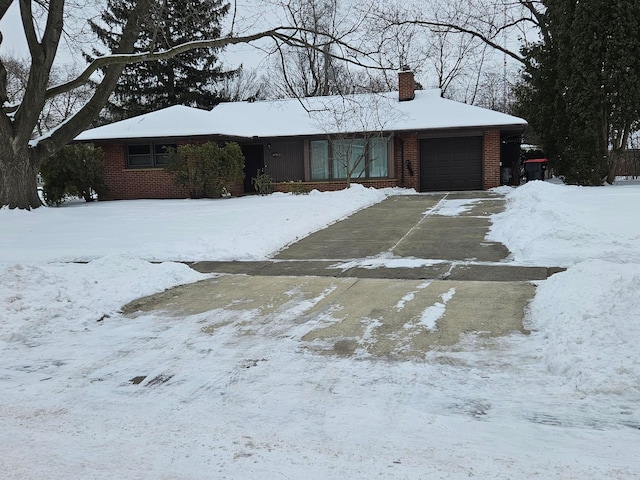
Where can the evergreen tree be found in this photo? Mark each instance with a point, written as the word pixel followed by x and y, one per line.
pixel 623 82
pixel 188 79
pixel 581 89
pixel 76 170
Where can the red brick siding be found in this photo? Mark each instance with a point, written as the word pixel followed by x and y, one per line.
pixel 127 183
pixel 406 86
pixel 407 152
pixel 130 183
pixel 491 159
pixel 332 186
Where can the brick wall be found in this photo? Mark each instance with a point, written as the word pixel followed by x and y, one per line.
pixel 335 185
pixel 128 183
pixel 406 86
pixel 407 160
pixel 134 183
pixel 491 159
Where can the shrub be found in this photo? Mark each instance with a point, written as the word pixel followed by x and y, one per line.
pixel 297 188
pixel 263 183
pixel 76 170
pixel 205 170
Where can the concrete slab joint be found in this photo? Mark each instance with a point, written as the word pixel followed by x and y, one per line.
pixel 421 279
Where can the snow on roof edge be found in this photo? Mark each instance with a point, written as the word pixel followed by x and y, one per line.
pixel 291 118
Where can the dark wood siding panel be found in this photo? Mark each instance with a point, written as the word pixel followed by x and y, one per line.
pixel 284 161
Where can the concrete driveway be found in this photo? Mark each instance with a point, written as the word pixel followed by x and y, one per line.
pixel 395 280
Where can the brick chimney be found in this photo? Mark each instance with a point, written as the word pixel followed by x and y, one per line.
pixel 406 84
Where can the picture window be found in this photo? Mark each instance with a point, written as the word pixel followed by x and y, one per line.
pixel 364 158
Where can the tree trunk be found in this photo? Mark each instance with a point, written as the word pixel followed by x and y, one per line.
pixel 620 142
pixel 613 168
pixel 18 184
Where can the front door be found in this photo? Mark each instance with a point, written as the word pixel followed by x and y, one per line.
pixel 253 164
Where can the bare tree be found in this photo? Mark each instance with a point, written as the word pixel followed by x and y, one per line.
pixel 20 154
pixel 316 72
pixel 495 90
pixel 397 43
pixel 17 75
pixel 440 55
pixel 355 129
pixel 244 85
pixel 308 73
pixel 56 109
pixel 454 59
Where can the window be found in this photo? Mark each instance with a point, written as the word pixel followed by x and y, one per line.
pixel 139 156
pixel 148 155
pixel 378 165
pixel 320 160
pixel 161 152
pixel 365 158
pixel 349 156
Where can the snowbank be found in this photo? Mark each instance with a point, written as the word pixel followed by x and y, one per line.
pixel 588 316
pixel 36 300
pixel 560 225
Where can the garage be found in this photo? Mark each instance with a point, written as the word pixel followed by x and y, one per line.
pixel 453 163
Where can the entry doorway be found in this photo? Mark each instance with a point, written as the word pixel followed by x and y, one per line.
pixel 253 164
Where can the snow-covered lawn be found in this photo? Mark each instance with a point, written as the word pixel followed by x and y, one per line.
pixel 230 402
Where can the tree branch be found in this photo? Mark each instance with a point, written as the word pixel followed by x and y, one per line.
pixel 4 6
pixel 460 29
pixel 42 56
pixel 74 125
pixel 26 15
pixel 285 35
pixel 537 14
pixel 5 121
pixel 3 84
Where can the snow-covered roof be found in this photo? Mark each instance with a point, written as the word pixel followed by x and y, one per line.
pixel 308 116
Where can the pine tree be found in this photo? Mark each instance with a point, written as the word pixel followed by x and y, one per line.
pixel 581 89
pixel 583 44
pixel 188 79
pixel 623 82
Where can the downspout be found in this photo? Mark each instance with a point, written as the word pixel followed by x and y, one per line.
pixel 401 161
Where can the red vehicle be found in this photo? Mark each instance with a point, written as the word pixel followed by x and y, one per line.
pixel 534 168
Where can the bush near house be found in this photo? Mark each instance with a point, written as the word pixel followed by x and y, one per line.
pixel 75 171
pixel 263 183
pixel 297 188
pixel 205 170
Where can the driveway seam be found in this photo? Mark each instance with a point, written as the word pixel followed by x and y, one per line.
pixel 424 216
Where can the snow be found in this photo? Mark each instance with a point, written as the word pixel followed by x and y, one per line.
pixel 411 295
pixel 230 394
pixel 385 260
pixel 435 312
pixel 175 121
pixel 308 116
pixel 452 208
pixel 587 315
pixel 557 225
pixel 247 228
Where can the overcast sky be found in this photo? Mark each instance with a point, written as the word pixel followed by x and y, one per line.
pixel 251 15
